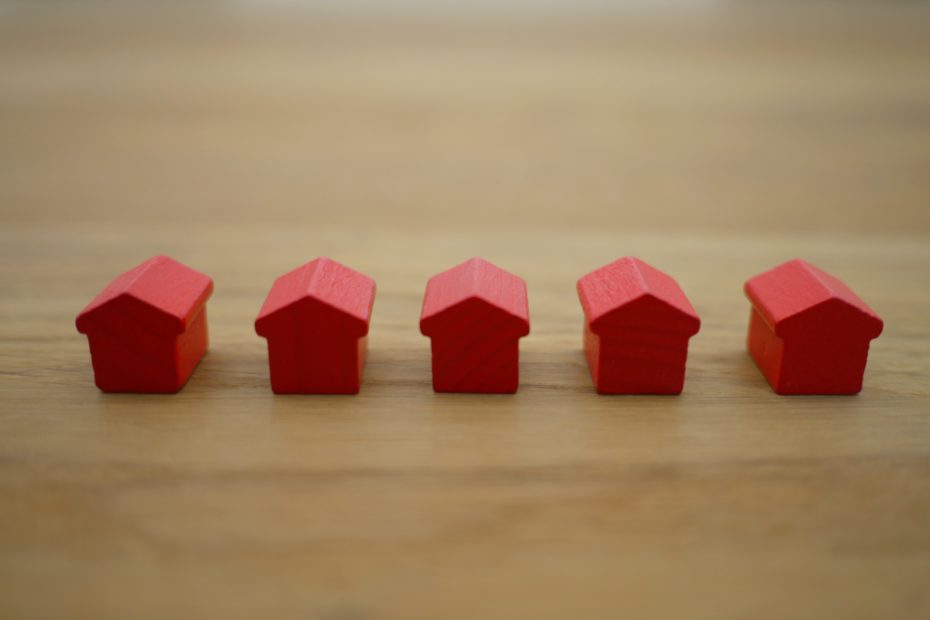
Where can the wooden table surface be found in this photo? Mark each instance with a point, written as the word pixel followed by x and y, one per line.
pixel 713 148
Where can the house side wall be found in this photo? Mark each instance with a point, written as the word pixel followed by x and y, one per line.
pixel 191 346
pixel 592 349
pixel 361 357
pixel 765 348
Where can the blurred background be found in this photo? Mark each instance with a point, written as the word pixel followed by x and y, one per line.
pixel 695 115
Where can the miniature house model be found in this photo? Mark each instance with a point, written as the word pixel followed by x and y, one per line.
pixel 637 325
pixel 148 329
pixel 475 315
pixel 808 332
pixel 316 320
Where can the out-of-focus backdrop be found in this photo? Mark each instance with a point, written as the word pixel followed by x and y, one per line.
pixel 713 118
pixel 712 139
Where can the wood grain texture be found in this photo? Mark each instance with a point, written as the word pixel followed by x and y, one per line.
pixel 246 148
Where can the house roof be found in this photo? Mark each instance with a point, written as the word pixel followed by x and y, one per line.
pixel 326 282
pixel 629 284
pixel 475 279
pixel 794 289
pixel 170 289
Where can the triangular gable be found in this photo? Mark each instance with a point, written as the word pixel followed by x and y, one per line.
pixel 327 282
pixel 475 278
pixel 628 284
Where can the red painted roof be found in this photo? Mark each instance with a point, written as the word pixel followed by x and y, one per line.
pixel 161 283
pixel 625 285
pixel 475 279
pixel 327 282
pixel 793 289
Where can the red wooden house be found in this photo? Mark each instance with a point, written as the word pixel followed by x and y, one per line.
pixel 316 320
pixel 148 328
pixel 475 315
pixel 808 332
pixel 637 325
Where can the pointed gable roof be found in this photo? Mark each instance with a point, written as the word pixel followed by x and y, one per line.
pixel 792 290
pixel 170 289
pixel 475 279
pixel 326 282
pixel 626 285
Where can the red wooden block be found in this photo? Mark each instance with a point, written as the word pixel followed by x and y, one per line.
pixel 475 315
pixel 316 320
pixel 808 332
pixel 636 329
pixel 148 328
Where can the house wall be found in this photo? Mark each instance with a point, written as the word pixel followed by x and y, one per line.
pixel 191 346
pixel 483 364
pixel 131 353
pixel 765 348
pixel 639 362
pixel 311 361
pixel 827 362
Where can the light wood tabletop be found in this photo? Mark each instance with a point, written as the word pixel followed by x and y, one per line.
pixel 713 147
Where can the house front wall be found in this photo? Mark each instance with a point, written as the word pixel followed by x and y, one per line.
pixel 485 364
pixel 637 361
pixel 824 363
pixel 129 357
pixel 314 361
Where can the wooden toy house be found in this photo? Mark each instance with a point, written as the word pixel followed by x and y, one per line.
pixel 808 332
pixel 316 321
pixel 148 328
pixel 636 329
pixel 475 315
